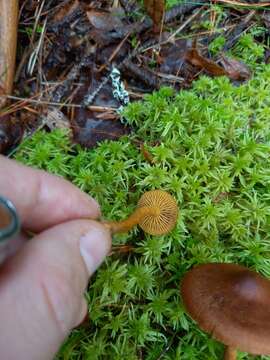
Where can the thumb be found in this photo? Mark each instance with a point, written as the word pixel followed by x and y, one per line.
pixel 41 288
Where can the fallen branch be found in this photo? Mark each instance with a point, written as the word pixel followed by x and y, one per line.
pixel 8 46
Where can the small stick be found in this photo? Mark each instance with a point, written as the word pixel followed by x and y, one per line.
pixel 8 45
pixel 182 26
pixel 239 3
pixel 114 53
pixel 238 31
pixel 44 102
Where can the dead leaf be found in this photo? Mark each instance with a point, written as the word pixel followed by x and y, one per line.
pixel 89 126
pixel 65 11
pixel 11 132
pixel 236 70
pixel 194 58
pixel 107 27
pixel 102 20
pixel 55 119
pixel 155 9
pixel 173 57
pixel 91 131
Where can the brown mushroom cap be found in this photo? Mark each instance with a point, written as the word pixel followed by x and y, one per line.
pixel 232 303
pixel 167 212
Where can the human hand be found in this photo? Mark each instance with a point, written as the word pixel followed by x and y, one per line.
pixel 42 285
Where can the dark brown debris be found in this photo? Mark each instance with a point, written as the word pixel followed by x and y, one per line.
pixel 235 69
pixel 11 132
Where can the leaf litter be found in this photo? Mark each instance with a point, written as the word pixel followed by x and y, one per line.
pixel 80 46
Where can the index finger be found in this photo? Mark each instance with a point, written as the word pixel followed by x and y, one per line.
pixel 43 200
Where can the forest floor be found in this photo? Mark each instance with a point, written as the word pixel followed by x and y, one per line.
pixel 78 62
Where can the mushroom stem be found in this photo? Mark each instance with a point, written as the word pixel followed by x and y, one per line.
pixel 137 216
pixel 230 353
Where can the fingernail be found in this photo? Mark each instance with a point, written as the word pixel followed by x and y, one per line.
pixel 95 204
pixel 94 247
pixel 91 207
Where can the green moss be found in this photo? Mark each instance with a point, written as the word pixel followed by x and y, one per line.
pixel 217 45
pixel 248 50
pixel 211 147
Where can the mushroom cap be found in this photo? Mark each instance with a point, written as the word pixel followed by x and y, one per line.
pixel 166 216
pixel 230 302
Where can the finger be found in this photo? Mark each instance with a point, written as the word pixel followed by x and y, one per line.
pixel 10 247
pixel 41 288
pixel 43 200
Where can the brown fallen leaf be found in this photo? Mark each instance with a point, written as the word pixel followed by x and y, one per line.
pixel 106 27
pixel 174 61
pixel 194 58
pixel 102 20
pixel 155 9
pixel 65 10
pixel 89 128
pixel 55 119
pixel 92 131
pixel 236 70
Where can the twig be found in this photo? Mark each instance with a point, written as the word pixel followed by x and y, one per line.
pixel 238 30
pixel 142 74
pixel 182 26
pixel 34 55
pixel 115 52
pixel 170 77
pixel 172 36
pixel 167 348
pixel 44 102
pixel 242 4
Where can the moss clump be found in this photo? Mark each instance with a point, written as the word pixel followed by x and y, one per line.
pixel 211 148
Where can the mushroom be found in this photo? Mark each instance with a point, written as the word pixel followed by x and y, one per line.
pixel 156 214
pixel 232 303
pixel 8 45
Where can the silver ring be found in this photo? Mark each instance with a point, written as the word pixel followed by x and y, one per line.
pixel 9 220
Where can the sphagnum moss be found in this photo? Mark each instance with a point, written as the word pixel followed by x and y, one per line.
pixel 211 151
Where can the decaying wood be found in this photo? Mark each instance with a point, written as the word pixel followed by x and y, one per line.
pixel 8 45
